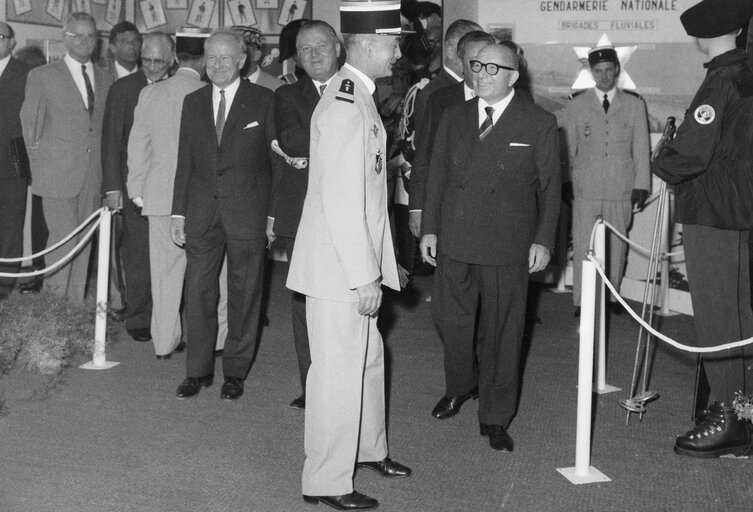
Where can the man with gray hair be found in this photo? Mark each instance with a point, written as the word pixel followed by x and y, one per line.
pixel 224 168
pixel 157 54
pixel 62 125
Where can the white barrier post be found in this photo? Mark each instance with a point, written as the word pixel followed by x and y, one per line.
pixel 99 362
pixel 583 472
pixel 600 250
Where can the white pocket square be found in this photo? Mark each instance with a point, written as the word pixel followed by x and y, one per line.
pixel 251 125
pixel 519 145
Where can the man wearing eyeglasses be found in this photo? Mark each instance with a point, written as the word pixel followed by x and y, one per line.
pixel 157 57
pixel 489 219
pixel 62 126
pixel 14 177
pixel 609 176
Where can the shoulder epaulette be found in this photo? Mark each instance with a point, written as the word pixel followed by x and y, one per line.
pixel 345 93
pixel 632 93
pixel 575 94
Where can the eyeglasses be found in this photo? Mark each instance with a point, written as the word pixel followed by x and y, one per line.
pixel 82 37
pixel 154 62
pixel 3 37
pixel 490 67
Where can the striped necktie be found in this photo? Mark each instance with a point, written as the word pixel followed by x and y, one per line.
pixel 487 125
pixel 220 124
pixel 89 91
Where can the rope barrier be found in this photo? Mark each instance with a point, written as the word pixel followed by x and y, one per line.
pixel 638 248
pixel 680 346
pixel 51 248
pixel 62 261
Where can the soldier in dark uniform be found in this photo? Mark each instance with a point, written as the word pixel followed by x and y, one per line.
pixel 710 163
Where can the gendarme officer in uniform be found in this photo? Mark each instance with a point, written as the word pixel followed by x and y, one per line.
pixel 343 254
pixel 608 163
pixel 710 164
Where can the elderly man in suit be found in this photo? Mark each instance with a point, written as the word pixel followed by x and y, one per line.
pixel 318 50
pixel 157 57
pixel 609 173
pixel 491 211
pixel 343 254
pixel 62 125
pixel 14 171
pixel 468 46
pixel 220 203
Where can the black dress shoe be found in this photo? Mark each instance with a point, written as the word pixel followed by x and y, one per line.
pixel 387 467
pixel 720 433
pixel 232 388
pixel 163 357
pixel 142 334
pixel 192 385
pixel 33 286
pixel 218 353
pixel 299 403
pixel 117 314
pixel 576 312
pixel 499 439
pixel 449 406
pixel 352 501
pixel 180 348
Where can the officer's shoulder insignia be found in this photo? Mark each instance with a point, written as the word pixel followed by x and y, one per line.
pixel 574 95
pixel 345 93
pixel 704 114
pixel 632 93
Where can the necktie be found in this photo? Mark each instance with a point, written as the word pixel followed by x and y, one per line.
pixel 89 91
pixel 220 116
pixel 321 89
pixel 605 103
pixel 487 125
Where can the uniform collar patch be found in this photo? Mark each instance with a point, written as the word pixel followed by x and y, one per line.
pixel 345 93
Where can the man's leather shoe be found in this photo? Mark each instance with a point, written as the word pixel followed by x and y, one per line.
pixel 720 433
pixel 353 501
pixel 232 388
pixel 449 406
pixel 163 357
pixel 180 348
pixel 499 439
pixel 218 352
pixel 33 286
pixel 142 334
pixel 117 314
pixel 387 467
pixel 192 385
pixel 616 308
pixel 576 312
pixel 299 403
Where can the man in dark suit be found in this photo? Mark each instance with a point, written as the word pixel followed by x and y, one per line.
pixel 14 174
pixel 491 208
pixel 468 47
pixel 62 124
pixel 220 203
pixel 157 57
pixel 318 50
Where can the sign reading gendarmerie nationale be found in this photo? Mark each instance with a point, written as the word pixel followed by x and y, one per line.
pixel 576 21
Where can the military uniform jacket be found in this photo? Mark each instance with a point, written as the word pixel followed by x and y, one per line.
pixel 608 154
pixel 711 158
pixel 488 201
pixel 344 238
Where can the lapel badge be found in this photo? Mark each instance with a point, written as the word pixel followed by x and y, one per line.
pixel 379 161
pixel 587 130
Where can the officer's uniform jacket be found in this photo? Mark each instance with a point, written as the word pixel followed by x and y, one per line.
pixel 608 153
pixel 344 238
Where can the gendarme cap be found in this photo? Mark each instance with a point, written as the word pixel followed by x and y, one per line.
pixel 371 17
pixel 714 18
pixel 602 54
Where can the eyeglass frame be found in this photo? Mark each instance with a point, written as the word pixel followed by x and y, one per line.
pixel 3 37
pixel 483 65
pixel 82 37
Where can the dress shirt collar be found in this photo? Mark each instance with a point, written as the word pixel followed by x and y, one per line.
pixel 319 84
pixel 190 71
pixel 610 94
pixel 230 91
pixel 74 67
pixel 499 107
pixel 368 82
pixel 453 74
pixel 254 77
pixel 121 71
pixel 468 92
pixel 4 64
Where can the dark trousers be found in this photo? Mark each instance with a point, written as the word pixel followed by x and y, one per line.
pixel 300 329
pixel 719 276
pixel 135 253
pixel 245 281
pixel 405 242
pixel 495 297
pixel 12 213
pixel 39 231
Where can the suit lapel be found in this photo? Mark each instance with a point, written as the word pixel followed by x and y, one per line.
pixel 67 78
pixel 206 113
pixel 239 105
pixel 309 93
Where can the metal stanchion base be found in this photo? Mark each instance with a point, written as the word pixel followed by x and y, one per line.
pixel 593 476
pixel 557 290
pixel 606 389
pixel 91 365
